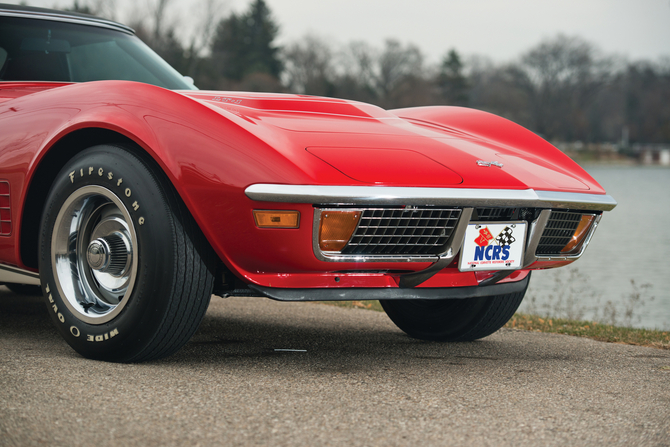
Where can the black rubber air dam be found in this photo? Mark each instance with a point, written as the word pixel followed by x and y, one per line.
pixel 390 293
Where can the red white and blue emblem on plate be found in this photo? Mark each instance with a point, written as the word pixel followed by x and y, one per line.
pixel 493 246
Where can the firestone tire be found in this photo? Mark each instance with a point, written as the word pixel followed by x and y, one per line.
pixel 126 273
pixel 455 319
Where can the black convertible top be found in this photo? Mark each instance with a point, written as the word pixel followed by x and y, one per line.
pixel 62 16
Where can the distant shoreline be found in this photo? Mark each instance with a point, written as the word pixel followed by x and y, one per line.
pixel 610 158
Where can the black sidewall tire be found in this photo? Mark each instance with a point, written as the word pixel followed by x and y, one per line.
pixel 131 181
pixel 454 319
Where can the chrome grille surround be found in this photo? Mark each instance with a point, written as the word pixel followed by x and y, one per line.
pixel 433 252
pixel 394 234
pixel 558 231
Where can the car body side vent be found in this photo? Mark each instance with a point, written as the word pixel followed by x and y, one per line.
pixel 5 211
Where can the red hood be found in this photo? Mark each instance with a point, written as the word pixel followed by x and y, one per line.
pixel 374 146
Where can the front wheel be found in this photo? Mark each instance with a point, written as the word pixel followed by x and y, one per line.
pixel 126 272
pixel 453 319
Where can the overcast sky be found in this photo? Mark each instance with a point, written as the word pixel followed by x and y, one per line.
pixel 500 29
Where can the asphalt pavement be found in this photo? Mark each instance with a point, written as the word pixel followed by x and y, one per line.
pixel 259 372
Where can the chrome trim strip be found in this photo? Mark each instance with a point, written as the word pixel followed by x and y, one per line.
pixel 589 236
pixel 383 195
pixel 534 236
pixel 577 201
pixel 15 275
pixel 55 16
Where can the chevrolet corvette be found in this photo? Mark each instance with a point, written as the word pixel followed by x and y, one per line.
pixel 128 197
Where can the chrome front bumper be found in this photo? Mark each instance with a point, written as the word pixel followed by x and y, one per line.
pixel 467 199
pixel 458 197
pixel 464 197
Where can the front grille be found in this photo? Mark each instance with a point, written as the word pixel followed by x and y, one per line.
pixel 407 231
pixel 560 228
pixel 493 214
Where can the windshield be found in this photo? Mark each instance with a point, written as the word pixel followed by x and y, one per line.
pixel 42 50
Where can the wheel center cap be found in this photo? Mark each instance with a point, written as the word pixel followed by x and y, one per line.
pixel 97 254
pixel 108 254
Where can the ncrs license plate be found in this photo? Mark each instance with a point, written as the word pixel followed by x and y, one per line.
pixel 493 246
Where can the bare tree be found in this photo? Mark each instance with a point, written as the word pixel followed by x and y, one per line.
pixel 356 72
pixel 494 90
pixel 645 90
pixel 562 77
pixel 308 67
pixel 357 61
pixel 105 8
pixel 209 14
pixel 396 64
pixel 101 8
pixel 158 12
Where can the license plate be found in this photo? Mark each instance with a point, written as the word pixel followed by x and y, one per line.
pixel 493 246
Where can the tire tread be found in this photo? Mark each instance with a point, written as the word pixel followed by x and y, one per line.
pixel 194 281
pixel 500 310
pixel 454 320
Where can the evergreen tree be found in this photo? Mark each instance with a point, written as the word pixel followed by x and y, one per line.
pixel 452 82
pixel 243 44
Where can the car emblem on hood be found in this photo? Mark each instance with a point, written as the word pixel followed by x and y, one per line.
pixel 489 163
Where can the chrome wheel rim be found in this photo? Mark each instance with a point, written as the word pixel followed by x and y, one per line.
pixel 94 254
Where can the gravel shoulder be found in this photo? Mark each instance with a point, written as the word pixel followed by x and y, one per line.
pixel 359 381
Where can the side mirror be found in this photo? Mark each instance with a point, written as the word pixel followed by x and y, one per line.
pixel 190 80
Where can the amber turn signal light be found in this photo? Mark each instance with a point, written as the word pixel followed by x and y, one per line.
pixel 336 229
pixel 580 234
pixel 277 219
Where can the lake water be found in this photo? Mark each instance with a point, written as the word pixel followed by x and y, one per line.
pixel 632 242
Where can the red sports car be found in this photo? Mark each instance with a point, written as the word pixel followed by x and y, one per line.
pixel 130 197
